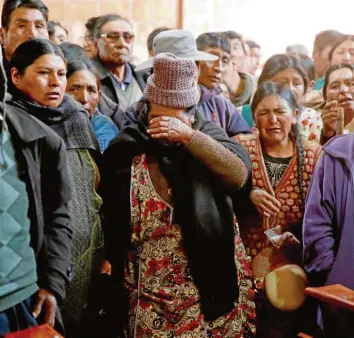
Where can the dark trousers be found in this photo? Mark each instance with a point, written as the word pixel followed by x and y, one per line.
pixel 16 318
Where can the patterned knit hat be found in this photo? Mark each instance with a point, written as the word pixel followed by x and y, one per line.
pixel 172 83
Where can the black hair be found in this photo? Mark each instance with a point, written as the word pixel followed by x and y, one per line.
pixel 340 40
pixel 297 48
pixel 330 71
pixel 152 35
pixel 73 52
pixel 269 88
pixel 77 60
pixel 233 35
pixel 102 20
pixel 91 23
pixel 280 62
pixel 79 65
pixel 52 25
pixel 308 65
pixel 213 40
pixel 326 38
pixel 10 6
pixel 31 50
pixel 252 44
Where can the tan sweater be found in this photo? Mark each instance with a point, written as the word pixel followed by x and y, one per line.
pixel 220 160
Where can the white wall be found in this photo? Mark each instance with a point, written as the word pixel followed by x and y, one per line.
pixel 272 23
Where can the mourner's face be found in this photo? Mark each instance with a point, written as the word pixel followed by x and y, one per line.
pixel 211 72
pixel 157 111
pixel 89 45
pixel 44 81
pixel 115 46
pixel 25 23
pixel 59 35
pixel 293 79
pixel 82 86
pixel 274 118
pixel 344 53
pixel 339 86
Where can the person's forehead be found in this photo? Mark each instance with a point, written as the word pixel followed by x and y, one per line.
pixel 288 73
pixel 59 30
pixel 216 51
pixel 84 76
pixel 27 14
pixel 340 74
pixel 117 26
pixel 50 61
pixel 346 44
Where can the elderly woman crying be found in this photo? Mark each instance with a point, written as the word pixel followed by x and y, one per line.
pixel 176 254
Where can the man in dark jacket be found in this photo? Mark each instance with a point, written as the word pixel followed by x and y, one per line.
pixel 114 39
pixel 40 158
pixel 212 106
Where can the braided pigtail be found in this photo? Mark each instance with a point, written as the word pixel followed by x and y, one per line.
pixel 300 160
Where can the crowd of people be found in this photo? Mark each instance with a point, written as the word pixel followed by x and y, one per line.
pixel 195 194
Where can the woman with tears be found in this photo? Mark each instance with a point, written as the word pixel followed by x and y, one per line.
pixel 282 165
pixel 176 255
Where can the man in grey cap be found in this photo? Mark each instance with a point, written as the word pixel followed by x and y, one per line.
pixel 212 106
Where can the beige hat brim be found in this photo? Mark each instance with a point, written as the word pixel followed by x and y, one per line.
pixel 195 56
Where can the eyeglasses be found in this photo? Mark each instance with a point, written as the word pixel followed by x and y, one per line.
pixel 113 37
pixel 88 38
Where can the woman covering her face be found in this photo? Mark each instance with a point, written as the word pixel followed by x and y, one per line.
pixel 39 75
pixel 176 254
pixel 282 165
pixel 288 70
pixel 84 86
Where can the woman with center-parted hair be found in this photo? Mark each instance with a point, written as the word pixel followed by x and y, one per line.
pixel 338 109
pixel 282 165
pixel 39 75
pixel 170 236
pixel 287 69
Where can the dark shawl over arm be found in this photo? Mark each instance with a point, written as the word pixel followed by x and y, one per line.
pixel 203 208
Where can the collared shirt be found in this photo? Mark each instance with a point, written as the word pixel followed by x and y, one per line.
pixel 127 79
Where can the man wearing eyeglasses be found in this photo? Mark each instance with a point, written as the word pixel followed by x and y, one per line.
pixel 114 40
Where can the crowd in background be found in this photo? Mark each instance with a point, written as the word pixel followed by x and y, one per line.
pixel 195 194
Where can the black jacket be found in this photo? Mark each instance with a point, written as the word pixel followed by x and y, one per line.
pixel 108 87
pixel 41 157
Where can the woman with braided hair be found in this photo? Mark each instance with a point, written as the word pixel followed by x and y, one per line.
pixel 282 165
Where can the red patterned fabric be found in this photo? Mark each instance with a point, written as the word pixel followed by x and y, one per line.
pixel 166 303
pixel 287 193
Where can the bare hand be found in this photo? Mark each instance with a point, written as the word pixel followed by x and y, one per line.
pixel 348 107
pixel 231 77
pixel 106 268
pixel 287 239
pixel 329 116
pixel 44 297
pixel 265 203
pixel 170 129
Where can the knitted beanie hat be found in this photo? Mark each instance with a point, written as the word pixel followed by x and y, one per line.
pixel 172 83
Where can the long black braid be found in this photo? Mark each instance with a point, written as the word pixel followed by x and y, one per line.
pixel 295 129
